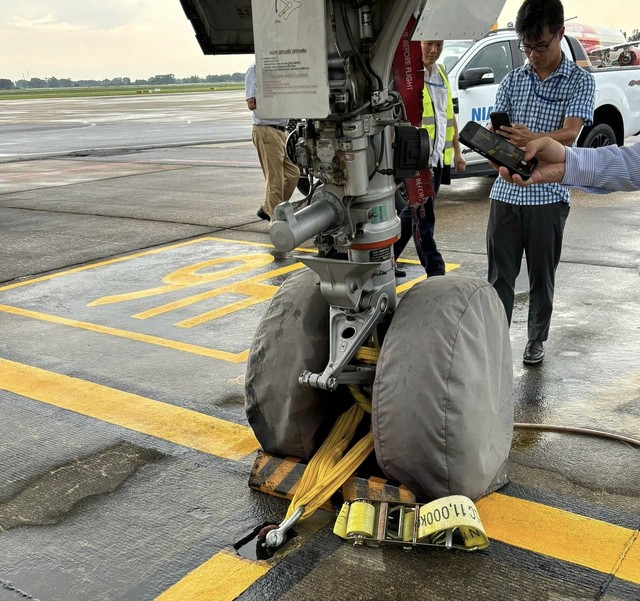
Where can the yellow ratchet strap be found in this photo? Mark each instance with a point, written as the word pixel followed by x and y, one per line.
pixel 451 522
pixel 328 469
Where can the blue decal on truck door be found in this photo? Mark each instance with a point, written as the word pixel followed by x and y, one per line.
pixel 481 113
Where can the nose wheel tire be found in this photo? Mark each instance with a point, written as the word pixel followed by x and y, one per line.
pixel 293 336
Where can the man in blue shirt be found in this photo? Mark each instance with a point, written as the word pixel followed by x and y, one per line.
pixel 270 138
pixel 597 170
pixel 548 96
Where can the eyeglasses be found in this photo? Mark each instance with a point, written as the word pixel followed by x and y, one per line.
pixel 539 48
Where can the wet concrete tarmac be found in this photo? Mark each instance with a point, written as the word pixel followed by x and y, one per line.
pixel 125 449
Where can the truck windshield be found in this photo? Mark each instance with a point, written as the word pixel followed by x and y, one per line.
pixel 452 52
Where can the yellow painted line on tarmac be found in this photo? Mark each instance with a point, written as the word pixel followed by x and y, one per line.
pixel 520 523
pixel 562 535
pixel 556 533
pixel 178 425
pixel 194 349
pixel 224 577
pixel 412 282
pixel 145 253
pixel 251 287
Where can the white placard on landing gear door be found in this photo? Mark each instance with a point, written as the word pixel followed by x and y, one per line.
pixel 291 58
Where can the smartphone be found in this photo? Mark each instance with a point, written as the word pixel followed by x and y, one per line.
pixel 498 119
pixel 496 149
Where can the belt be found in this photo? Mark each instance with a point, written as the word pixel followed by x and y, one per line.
pixel 279 127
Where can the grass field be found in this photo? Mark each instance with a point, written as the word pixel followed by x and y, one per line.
pixel 114 91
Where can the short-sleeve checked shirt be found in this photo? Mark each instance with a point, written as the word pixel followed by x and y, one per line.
pixel 542 106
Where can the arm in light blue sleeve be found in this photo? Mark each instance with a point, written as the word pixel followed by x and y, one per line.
pixel 603 170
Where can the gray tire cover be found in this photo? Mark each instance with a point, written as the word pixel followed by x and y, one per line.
pixel 293 335
pixel 443 393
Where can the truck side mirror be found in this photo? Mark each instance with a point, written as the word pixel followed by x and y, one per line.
pixel 479 76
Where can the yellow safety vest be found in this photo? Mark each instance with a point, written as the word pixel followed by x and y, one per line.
pixel 429 119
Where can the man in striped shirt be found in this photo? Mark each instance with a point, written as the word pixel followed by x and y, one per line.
pixel 597 170
pixel 549 96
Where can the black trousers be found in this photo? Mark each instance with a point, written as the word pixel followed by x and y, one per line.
pixel 422 232
pixel 537 231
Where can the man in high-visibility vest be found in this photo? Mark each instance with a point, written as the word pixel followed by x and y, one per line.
pixel 440 122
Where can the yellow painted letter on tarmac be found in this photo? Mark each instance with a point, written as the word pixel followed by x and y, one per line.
pixel 189 276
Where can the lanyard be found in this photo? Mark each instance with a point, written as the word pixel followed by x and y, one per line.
pixel 533 84
pixel 435 84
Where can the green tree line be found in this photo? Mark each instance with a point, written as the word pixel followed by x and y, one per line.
pixel 156 80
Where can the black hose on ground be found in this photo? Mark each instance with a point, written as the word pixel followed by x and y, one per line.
pixel 569 429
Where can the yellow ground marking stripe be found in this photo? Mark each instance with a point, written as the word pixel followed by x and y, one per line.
pixel 629 568
pixel 172 344
pixel 195 274
pixel 545 530
pixel 156 251
pixel 226 575
pixel 251 286
pixel 223 578
pixel 520 523
pixel 562 535
pixel 145 253
pixel 182 426
pixel 207 316
pixel 411 283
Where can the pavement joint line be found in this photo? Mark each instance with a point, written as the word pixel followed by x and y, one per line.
pixel 72 154
pixel 185 427
pixel 98 165
pixel 528 525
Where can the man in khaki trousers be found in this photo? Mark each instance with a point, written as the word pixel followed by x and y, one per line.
pixel 269 137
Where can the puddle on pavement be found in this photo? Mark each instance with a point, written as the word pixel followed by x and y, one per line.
pixel 54 494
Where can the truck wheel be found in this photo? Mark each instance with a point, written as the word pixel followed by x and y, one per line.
pixel 599 135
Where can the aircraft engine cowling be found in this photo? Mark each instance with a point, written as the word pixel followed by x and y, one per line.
pixel 631 56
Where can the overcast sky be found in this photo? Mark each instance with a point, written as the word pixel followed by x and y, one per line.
pixel 98 39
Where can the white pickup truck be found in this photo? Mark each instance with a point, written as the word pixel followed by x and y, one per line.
pixel 476 68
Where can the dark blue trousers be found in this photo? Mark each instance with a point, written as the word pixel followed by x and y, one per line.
pixel 421 229
pixel 535 231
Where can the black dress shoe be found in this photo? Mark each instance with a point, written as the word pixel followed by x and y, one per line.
pixel 262 214
pixel 401 273
pixel 533 352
